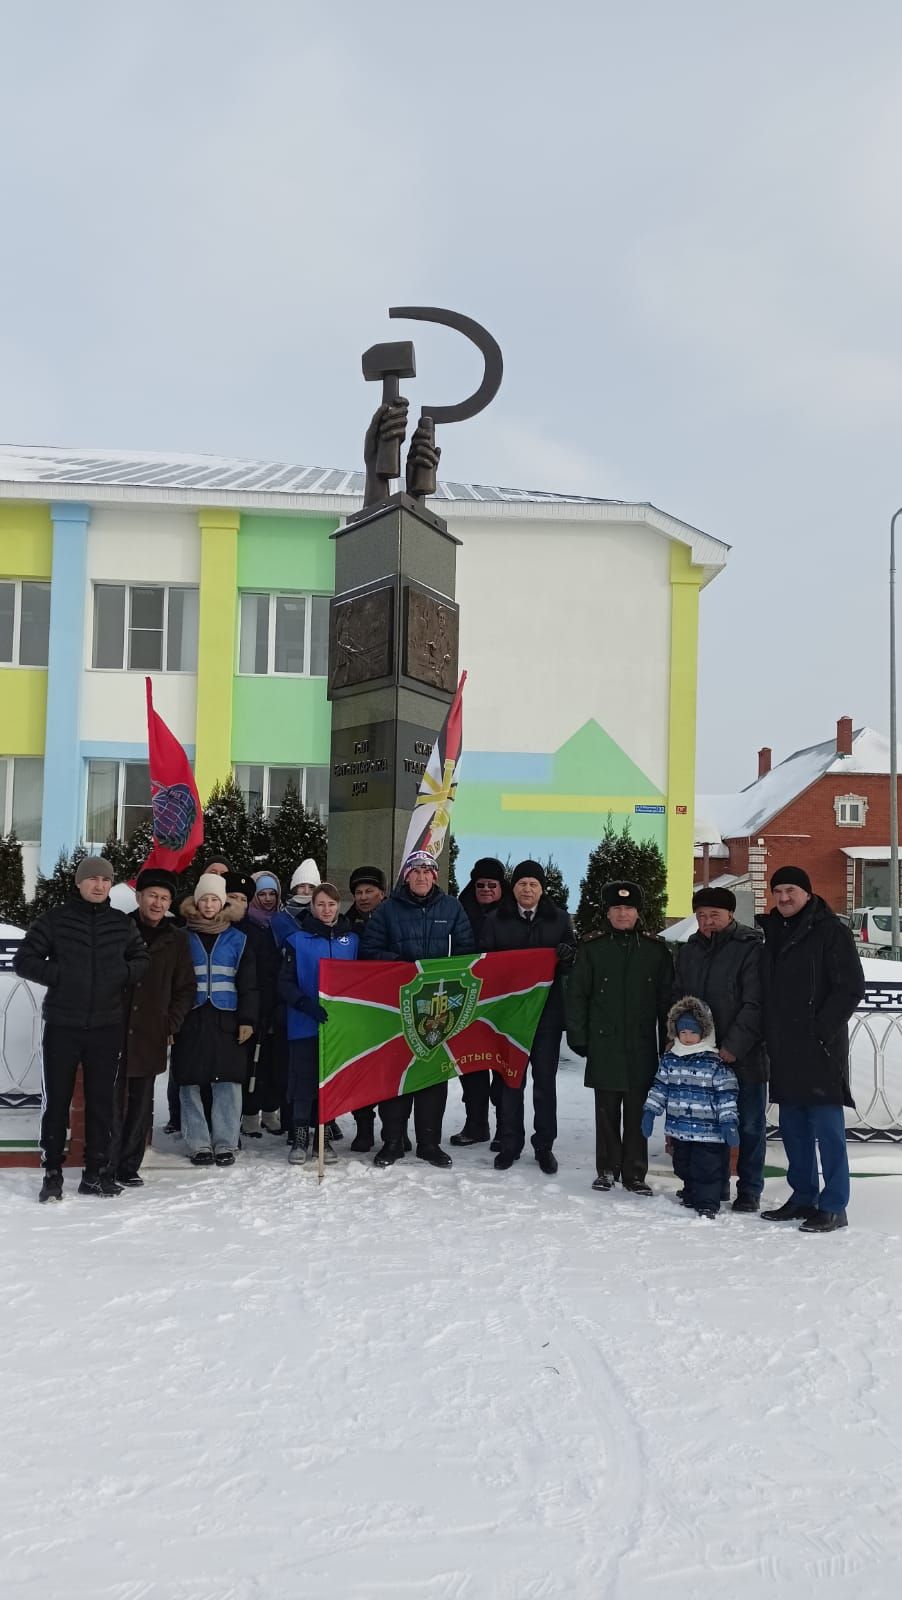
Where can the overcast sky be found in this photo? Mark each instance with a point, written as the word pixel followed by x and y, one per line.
pixel 682 221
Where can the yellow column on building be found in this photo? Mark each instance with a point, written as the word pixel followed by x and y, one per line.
pixel 684 586
pixel 26 541
pixel 216 646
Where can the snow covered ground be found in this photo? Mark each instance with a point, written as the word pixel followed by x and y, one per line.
pixel 235 1385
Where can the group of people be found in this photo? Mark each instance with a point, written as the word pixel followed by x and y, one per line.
pixel 223 987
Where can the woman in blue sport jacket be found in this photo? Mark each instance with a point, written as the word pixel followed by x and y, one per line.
pixel 326 935
pixel 416 921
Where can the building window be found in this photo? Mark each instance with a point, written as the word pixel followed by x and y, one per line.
pixel 851 810
pixel 21 791
pixel 24 623
pixel 144 628
pixel 284 633
pixel 118 799
pixel 266 786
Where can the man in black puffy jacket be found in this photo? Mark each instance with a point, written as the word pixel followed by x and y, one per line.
pixel 722 965
pixel 88 956
pixel 416 921
pixel 533 922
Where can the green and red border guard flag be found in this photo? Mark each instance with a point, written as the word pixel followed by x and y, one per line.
pixel 178 819
pixel 438 785
pixel 397 1026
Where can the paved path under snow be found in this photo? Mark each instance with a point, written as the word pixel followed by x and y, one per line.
pixel 237 1386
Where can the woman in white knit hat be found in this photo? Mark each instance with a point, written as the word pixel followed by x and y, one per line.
pixel 296 909
pixel 208 1048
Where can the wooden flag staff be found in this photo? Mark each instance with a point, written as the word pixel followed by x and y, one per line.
pixel 321 1152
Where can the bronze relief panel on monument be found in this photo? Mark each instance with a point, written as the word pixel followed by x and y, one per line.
pixel 361 638
pixel 430 639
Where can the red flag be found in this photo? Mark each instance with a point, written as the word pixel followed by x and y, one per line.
pixel 178 820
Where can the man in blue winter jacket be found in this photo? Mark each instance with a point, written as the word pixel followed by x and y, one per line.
pixel 416 921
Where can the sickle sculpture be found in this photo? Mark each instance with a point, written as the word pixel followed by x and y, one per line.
pixel 382 449
pixel 478 335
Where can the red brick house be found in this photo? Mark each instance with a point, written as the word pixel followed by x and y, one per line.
pixel 825 808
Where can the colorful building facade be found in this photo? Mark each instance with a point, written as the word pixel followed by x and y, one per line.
pixel 579 631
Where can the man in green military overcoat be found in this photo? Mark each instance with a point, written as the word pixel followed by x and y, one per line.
pixel 617 1001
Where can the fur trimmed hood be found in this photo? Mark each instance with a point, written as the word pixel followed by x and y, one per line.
pixel 696 1008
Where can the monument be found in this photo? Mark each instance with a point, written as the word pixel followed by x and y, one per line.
pixel 393 623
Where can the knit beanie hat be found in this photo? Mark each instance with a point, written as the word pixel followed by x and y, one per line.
pixel 419 858
pixel 373 875
pixel 796 876
pixel 155 878
pixel 94 867
pixel 489 867
pixel 621 893
pixel 210 883
pixel 526 869
pixel 717 899
pixel 307 872
pixel 266 880
pixel 687 1021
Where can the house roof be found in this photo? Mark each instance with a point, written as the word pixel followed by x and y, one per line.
pixel 147 477
pixel 738 816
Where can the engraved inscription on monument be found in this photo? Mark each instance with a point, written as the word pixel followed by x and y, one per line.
pixel 361 638
pixel 430 639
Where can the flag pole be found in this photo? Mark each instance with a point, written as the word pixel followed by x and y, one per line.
pixel 321 1152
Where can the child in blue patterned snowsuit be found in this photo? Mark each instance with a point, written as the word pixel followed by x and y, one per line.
pixel 698 1092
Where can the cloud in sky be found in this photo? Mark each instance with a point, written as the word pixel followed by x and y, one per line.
pixel 682 224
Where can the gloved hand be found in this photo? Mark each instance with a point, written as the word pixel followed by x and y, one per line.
pixel 731 1135
pixel 647 1124
pixel 312 1008
pixel 566 955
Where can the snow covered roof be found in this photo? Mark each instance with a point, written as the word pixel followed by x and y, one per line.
pixel 29 471
pixel 738 816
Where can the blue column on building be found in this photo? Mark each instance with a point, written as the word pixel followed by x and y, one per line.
pixel 61 826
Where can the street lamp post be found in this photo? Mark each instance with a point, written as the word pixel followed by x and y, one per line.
pixel 893 748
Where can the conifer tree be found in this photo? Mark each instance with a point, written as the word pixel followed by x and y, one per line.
pixel 114 851
pixel 555 887
pixel 226 828
pixel 134 853
pixel 12 883
pixel 453 853
pixel 56 889
pixel 259 837
pixel 296 835
pixel 619 855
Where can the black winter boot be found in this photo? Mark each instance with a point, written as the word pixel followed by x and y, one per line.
pixel 434 1154
pixel 470 1134
pixel 790 1211
pixel 746 1203
pixel 52 1187
pixel 101 1184
pixel 389 1154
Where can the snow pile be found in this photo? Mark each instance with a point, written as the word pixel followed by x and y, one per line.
pixel 235 1385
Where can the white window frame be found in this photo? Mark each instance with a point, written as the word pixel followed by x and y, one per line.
pixel 841 806
pixel 6 810
pixel 120 784
pixel 115 583
pixel 17 627
pixel 283 766
pixel 274 595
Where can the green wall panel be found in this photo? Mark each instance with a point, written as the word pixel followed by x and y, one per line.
pixel 281 721
pixel 287 553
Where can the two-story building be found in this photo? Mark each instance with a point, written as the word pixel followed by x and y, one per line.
pixel 825 808
pixel 214 577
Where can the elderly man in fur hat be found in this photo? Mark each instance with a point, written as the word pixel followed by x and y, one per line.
pixel 721 964
pixel 618 998
pixel 158 1003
